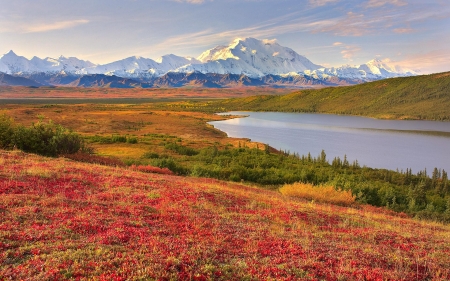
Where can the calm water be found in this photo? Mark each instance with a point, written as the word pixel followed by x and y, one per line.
pixel 390 144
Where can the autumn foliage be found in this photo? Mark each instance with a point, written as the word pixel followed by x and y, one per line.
pixel 151 169
pixel 66 220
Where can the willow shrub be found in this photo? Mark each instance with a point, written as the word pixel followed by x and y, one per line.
pixel 324 194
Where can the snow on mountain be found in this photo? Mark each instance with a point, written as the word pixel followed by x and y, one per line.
pixel 3 67
pixel 17 64
pixel 45 65
pixel 209 55
pixel 139 67
pixel 252 57
pixel 75 65
pixel 130 67
pixel 386 68
pixel 373 70
pixel 171 62
pixel 62 64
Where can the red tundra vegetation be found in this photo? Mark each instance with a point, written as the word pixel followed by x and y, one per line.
pixel 65 220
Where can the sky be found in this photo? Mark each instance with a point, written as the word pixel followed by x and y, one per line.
pixel 411 33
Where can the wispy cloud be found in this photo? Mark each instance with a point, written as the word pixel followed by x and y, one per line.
pixel 380 3
pixel 265 30
pixel 369 21
pixel 53 26
pixel 190 1
pixel 318 3
pixel 352 24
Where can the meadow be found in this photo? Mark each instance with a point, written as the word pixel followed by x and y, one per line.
pixel 65 220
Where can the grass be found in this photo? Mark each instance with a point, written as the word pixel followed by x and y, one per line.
pixel 95 95
pixel 162 227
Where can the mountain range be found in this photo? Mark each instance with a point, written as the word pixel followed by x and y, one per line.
pixel 244 62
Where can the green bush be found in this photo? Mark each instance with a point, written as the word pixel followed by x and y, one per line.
pixel 6 132
pixel 170 164
pixel 151 155
pixel 100 139
pixel 68 143
pixel 118 138
pixel 132 140
pixel 180 149
pixel 42 138
pixel 36 139
pixel 113 139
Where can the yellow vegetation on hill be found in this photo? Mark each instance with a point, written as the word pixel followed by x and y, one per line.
pixel 325 194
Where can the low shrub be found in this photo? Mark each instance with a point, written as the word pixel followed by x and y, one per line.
pixel 324 194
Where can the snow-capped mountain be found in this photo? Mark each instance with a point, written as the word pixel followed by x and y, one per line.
pixel 18 65
pixel 139 67
pixel 62 64
pixel 171 62
pixel 249 57
pixel 373 70
pixel 74 65
pixel 129 67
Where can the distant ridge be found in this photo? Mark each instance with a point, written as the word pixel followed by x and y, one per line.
pixel 9 80
pixel 105 81
pixel 176 80
pixel 257 62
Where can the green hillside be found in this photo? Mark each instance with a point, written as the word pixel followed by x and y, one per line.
pixel 419 97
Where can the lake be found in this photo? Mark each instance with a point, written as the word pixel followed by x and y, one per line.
pixel 389 144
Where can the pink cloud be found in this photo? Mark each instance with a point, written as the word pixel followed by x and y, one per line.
pixel 430 62
pixel 404 30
